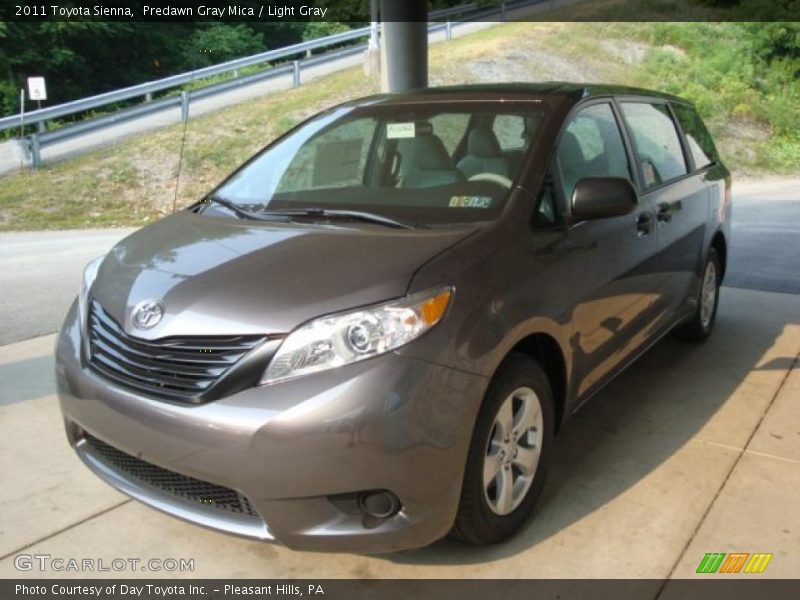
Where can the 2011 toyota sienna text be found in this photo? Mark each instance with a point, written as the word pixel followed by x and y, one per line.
pixel 369 335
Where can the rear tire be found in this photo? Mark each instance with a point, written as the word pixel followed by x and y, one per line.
pixel 702 323
pixel 509 454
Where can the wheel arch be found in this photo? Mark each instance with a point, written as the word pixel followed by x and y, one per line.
pixel 720 244
pixel 546 350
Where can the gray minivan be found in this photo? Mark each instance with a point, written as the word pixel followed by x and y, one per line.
pixel 369 335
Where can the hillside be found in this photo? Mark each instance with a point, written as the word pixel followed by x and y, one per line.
pixel 750 100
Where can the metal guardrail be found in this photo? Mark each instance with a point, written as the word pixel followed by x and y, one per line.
pixel 143 89
pixel 33 144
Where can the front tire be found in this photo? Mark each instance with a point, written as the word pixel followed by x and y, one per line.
pixel 509 454
pixel 702 323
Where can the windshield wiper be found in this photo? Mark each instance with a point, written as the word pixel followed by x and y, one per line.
pixel 243 212
pixel 344 214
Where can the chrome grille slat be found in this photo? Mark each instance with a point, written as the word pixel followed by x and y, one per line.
pixel 196 490
pixel 142 386
pixel 113 338
pixel 138 375
pixel 141 361
pixel 226 344
pixel 175 368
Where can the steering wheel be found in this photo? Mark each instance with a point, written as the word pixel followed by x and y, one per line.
pixel 493 178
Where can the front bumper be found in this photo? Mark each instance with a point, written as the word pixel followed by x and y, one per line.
pixel 390 423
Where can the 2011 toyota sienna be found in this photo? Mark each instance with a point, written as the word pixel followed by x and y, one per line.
pixel 369 335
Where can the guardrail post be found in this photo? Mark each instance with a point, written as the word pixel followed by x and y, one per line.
pixel 448 31
pixel 184 106
pixel 36 151
pixel 503 10
pixel 296 73
pixel 42 126
pixel 148 97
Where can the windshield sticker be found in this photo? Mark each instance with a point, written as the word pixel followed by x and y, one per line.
pixel 395 131
pixel 470 202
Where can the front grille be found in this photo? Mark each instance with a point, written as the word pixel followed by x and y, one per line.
pixel 195 490
pixel 176 368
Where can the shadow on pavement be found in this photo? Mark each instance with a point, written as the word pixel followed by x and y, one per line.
pixel 30 379
pixel 641 420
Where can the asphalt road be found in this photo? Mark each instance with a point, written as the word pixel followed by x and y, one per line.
pixel 40 271
pixel 765 253
pixel 40 275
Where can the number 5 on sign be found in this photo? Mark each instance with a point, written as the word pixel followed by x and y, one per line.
pixel 36 88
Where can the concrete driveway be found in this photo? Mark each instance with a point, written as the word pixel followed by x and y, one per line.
pixel 695 449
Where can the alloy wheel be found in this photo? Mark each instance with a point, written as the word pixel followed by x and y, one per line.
pixel 708 295
pixel 513 451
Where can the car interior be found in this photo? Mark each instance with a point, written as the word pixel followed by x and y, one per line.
pixel 424 161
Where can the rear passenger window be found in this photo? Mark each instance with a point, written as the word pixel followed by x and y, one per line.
pixel 591 146
pixel 450 128
pixel 658 147
pixel 697 137
pixel 510 131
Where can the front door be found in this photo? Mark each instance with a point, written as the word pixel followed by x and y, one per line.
pixel 612 261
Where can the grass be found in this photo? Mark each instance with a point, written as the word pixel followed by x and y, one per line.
pixel 134 182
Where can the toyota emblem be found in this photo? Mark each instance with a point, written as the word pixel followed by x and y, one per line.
pixel 147 314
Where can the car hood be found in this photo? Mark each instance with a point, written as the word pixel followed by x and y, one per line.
pixel 220 276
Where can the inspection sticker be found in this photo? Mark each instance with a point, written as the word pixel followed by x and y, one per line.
pixel 396 131
pixel 470 202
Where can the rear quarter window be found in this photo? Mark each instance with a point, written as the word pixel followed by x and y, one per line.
pixel 510 131
pixel 701 145
pixel 659 153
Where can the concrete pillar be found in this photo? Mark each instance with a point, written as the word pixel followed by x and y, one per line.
pixel 404 45
pixel 372 55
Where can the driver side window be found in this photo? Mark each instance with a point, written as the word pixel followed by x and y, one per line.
pixel 591 146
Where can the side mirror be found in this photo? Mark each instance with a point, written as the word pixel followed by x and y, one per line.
pixel 603 197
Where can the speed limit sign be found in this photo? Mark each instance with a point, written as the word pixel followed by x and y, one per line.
pixel 37 90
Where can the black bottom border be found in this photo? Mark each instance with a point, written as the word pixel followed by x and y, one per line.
pixel 404 589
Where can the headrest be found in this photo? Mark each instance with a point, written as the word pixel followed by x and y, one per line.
pixel 424 152
pixel 570 153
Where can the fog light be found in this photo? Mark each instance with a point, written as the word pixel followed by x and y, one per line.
pixel 379 504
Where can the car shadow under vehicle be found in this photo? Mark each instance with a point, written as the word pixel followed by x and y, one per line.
pixel 642 419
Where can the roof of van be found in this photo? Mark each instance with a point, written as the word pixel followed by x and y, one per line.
pixel 514 91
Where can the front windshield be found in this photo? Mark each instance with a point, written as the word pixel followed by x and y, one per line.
pixel 421 163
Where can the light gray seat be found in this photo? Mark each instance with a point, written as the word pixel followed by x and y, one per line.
pixel 424 162
pixel 484 155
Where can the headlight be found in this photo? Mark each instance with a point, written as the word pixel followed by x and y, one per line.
pixel 89 275
pixel 337 340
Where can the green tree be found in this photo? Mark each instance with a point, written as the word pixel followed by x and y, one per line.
pixel 213 43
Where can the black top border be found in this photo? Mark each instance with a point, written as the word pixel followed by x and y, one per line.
pixel 349 11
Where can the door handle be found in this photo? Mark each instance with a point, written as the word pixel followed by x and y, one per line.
pixel 664 213
pixel 644 224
